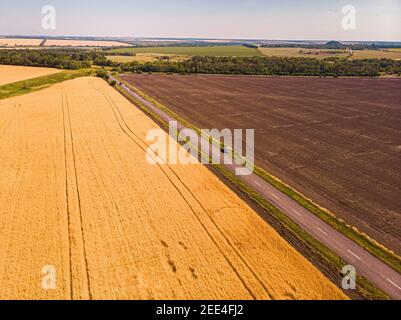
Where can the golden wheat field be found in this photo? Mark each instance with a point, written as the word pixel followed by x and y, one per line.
pixel 10 74
pixel 148 57
pixel 77 194
pixel 83 43
pixel 8 42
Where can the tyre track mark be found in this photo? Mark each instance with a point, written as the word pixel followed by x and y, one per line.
pixel 71 294
pixel 111 103
pixel 79 200
pixel 8 122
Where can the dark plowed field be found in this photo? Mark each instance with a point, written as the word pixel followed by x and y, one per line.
pixel 338 141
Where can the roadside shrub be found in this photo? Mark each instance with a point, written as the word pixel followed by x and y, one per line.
pixel 102 74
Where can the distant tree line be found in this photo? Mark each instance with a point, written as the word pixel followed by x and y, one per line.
pixel 280 66
pixel 121 53
pixel 62 59
pixel 251 45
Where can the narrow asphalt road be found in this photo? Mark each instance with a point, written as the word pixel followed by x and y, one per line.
pixel 367 265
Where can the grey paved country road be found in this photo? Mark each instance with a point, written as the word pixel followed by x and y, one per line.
pixel 367 265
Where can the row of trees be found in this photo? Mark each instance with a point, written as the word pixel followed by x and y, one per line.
pixel 280 66
pixel 62 59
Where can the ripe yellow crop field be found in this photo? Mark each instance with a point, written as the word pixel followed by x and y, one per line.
pixel 78 196
pixel 83 43
pixel 7 42
pixel 10 74
pixel 147 57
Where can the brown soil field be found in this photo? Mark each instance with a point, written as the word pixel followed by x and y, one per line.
pixel 81 43
pixel 10 74
pixel 19 42
pixel 338 141
pixel 77 193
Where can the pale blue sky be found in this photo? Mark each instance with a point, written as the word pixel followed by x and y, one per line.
pixel 262 19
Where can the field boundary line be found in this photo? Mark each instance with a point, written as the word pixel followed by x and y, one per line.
pixel 374 247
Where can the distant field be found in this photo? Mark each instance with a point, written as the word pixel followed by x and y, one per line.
pixel 5 42
pixel 19 42
pixel 146 57
pixel 125 59
pixel 229 51
pixel 10 74
pixel 302 53
pixel 326 53
pixel 80 43
pixel 338 141
pixel 377 54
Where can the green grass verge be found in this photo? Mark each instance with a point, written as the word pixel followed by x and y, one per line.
pixel 364 287
pixel 31 85
pixel 215 51
pixel 381 252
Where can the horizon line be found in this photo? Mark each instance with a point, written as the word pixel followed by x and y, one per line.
pixel 190 38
